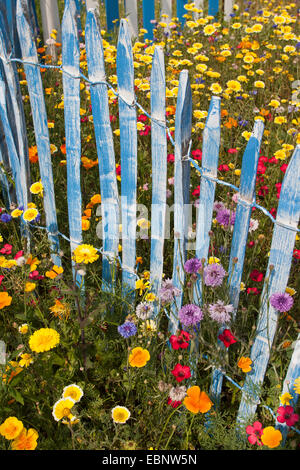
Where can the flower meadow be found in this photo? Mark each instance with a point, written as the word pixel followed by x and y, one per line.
pixel 90 369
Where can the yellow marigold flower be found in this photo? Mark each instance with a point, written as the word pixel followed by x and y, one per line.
pixel 56 270
pixel 285 398
pixel 245 364
pixel 11 428
pixel 85 224
pixel 234 85
pixel 248 59
pixel 73 391
pixel 5 299
pixel 141 285
pixel 150 297
pixel 36 188
pixel 209 30
pixel 297 385
pixel 259 84
pixel 23 329
pixel 16 213
pixel 290 290
pixel 139 357
pixel 274 103
pixel 197 401
pixel 26 360
pixel 60 310
pixel 271 437
pixel 62 409
pixel 280 120
pixel 27 440
pixel 120 414
pixel 213 260
pixel 30 286
pixel 246 135
pixel 44 339
pixel 236 25
pixel 216 88
pixel 30 214
pixel 85 254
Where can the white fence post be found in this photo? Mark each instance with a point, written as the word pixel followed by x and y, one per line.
pixel 228 9
pixel 132 16
pixel 50 20
pixel 93 4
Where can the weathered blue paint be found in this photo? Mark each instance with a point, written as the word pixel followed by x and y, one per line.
pixel 240 234
pixel 71 89
pixel 183 124
pixel 148 16
pixel 292 374
pixel 213 7
pixel 105 147
pixel 12 151
pixel 112 14
pixel 40 122
pixel 243 212
pixel 159 170
pixel 276 279
pixel 210 158
pixel 128 148
pixel 15 106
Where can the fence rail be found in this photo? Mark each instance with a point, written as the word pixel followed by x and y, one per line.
pixel 286 223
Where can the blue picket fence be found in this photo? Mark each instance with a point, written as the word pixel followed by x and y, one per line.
pixel 13 123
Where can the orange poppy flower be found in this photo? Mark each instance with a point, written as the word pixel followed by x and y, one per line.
pixel 197 401
pixel 5 299
pixel 139 357
pixel 245 364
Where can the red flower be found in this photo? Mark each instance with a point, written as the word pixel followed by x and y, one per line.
pixel 35 275
pixel 256 275
pixel 223 168
pixel 287 415
pixel 181 341
pixel 296 254
pixel 181 372
pixel 6 250
pixel 19 254
pixel 284 167
pixel 142 118
pixel 255 431
pixel 118 170
pixel 170 158
pixel 196 192
pixel 1 279
pixel 232 150
pixel 197 154
pixel 263 191
pixel 278 187
pixel 227 338
pixel 253 290
pixel 174 403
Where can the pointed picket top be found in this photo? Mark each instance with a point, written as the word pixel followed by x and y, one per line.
pixel 105 147
pixel 289 384
pixel 71 90
pixel 159 170
pixel 210 159
pixel 243 212
pixel 128 150
pixel 277 275
pixel 183 124
pixel 39 115
pixel 17 120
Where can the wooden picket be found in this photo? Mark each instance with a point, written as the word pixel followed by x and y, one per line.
pixel 122 208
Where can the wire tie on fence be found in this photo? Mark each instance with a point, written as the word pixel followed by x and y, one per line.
pixel 289 227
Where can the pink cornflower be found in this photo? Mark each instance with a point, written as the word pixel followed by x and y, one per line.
pixel 255 431
pixel 287 415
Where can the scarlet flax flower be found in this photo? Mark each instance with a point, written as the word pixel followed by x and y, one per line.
pixel 227 338
pixel 287 415
pixel 181 372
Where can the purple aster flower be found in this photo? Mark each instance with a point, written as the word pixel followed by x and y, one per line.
pixel 168 291
pixel 127 329
pixel 192 265
pixel 281 302
pixel 214 274
pixel 225 217
pixel 220 312
pixel 190 314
